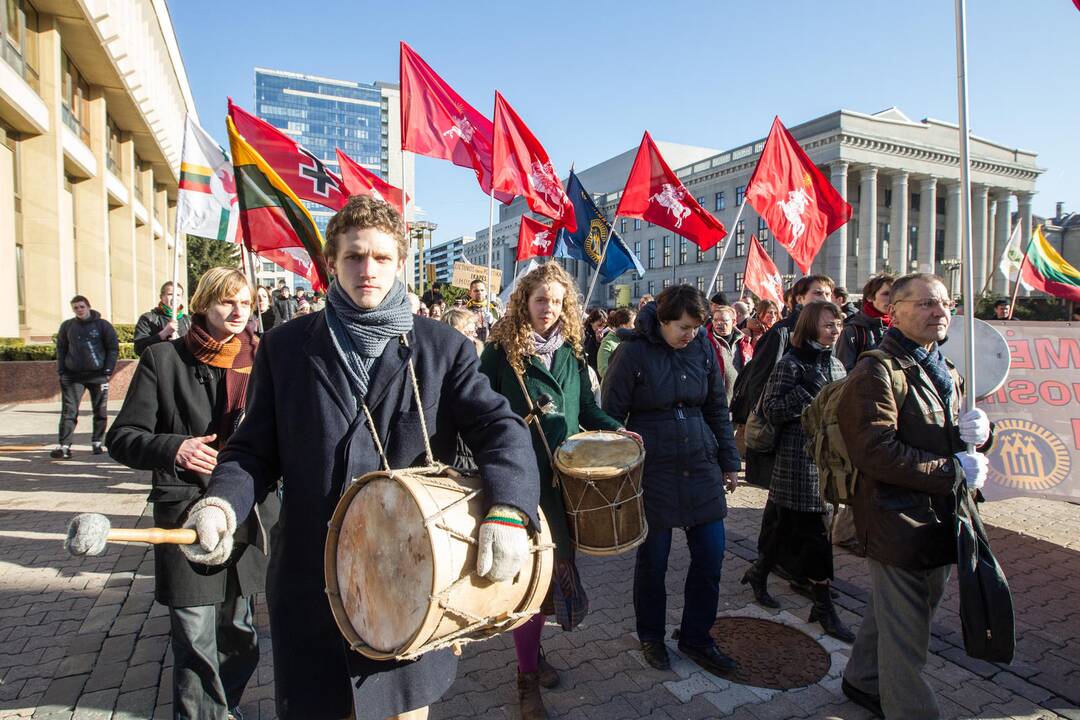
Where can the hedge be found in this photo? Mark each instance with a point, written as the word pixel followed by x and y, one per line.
pixel 47 351
pixel 125 333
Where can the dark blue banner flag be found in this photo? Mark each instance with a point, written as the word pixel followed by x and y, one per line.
pixel 588 242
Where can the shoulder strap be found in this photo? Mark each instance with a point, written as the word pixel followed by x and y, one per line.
pixel 897 376
pixel 533 418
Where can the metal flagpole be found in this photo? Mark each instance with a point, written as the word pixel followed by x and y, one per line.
pixel 967 279
pixel 600 264
pixel 176 238
pixel 724 249
pixel 491 239
pixel 254 284
pixel 405 215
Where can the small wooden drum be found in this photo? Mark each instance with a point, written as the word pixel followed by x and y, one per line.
pixel 600 476
pixel 400 565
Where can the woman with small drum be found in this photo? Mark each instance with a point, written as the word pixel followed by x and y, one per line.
pixel 665 381
pixel 536 349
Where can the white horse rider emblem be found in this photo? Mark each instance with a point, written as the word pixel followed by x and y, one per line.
pixel 461 128
pixel 793 208
pixel 542 240
pixel 775 284
pixel 544 180
pixel 671 198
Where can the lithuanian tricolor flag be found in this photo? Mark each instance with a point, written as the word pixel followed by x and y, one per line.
pixel 1044 269
pixel 271 215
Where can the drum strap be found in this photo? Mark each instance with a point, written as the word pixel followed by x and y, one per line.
pixel 534 419
pixel 429 456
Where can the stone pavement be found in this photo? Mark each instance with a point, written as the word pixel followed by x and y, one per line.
pixel 82 638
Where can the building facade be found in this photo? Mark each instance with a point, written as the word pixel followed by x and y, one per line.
pixel 444 255
pixel 323 114
pixel 93 97
pixel 901 177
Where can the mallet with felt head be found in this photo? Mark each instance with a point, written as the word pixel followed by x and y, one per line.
pixel 87 534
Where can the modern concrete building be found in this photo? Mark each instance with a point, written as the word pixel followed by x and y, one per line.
pixel 93 96
pixel 902 178
pixel 323 114
pixel 444 255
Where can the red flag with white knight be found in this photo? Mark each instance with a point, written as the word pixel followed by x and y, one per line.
pixel 522 167
pixel 654 193
pixel 304 173
pixel 535 239
pixel 761 276
pixel 359 180
pixel 797 201
pixel 438 123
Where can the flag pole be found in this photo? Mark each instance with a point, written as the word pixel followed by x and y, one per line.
pixel 967 279
pixel 599 264
pixel 176 238
pixel 996 267
pixel 254 284
pixel 724 249
pixel 491 238
pixel 1019 274
pixel 405 212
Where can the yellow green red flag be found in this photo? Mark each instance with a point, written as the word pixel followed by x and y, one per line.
pixel 1046 270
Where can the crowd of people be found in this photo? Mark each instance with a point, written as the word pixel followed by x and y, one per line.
pixel 252 430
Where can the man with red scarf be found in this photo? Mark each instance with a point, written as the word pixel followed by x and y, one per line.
pixel 863 330
pixel 185 399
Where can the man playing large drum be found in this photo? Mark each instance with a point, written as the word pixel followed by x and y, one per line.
pixel 315 381
pixel 536 348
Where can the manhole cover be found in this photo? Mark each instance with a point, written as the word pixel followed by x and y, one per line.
pixel 765 650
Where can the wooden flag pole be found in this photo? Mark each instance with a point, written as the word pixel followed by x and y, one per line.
pixel 724 248
pixel 1019 274
pixel 967 278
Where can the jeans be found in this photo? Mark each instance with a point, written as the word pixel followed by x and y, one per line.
pixel 701 593
pixel 215 653
pixel 71 392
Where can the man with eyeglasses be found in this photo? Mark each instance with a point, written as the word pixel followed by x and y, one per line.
pixel 913 460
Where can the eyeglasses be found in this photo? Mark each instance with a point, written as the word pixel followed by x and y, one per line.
pixel 930 304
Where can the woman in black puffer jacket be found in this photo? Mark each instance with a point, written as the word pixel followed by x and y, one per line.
pixel 664 382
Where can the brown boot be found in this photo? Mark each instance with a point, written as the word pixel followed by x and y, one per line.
pixel 530 703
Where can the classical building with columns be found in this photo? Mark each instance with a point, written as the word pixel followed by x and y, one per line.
pixel 93 96
pixel 902 178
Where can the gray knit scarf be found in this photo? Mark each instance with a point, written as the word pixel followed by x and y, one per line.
pixel 545 348
pixel 360 336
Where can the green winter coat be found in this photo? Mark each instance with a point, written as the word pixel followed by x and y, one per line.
pixel 568 386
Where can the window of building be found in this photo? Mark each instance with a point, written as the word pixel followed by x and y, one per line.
pixel 939 244
pixel 112 150
pixel 611 291
pixel 940 205
pixel 738 282
pixel 888 197
pixel 667 251
pixel 720 282
pixel 637 224
pixel 763 232
pixel 701 201
pixel 18 46
pixel 720 203
pixel 700 284
pixel 740 195
pixel 740 239
pixel 652 253
pixel 622 226
pixel 914 202
pixel 75 100
pixel 637 249
pixel 667 283
pixel 682 250
pixel 637 290
pixel 853 237
pixel 652 287
pixel 700 254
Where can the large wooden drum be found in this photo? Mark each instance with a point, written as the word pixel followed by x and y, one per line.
pixel 600 476
pixel 400 565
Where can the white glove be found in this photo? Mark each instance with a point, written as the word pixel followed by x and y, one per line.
pixel 975 427
pixel 503 543
pixel 214 522
pixel 975 466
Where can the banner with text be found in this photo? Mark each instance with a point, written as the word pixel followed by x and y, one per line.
pixel 1036 414
pixel 464 273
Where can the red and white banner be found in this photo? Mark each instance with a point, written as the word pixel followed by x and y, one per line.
pixel 761 276
pixel 535 239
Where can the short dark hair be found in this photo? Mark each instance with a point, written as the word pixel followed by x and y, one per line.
pixel 476 280
pixel 679 300
pixel 168 285
pixel 596 315
pixel 80 298
pixel 802 285
pixel 281 282
pixel 718 299
pixel 900 285
pixel 875 283
pixel 807 324
pixel 840 291
pixel 619 317
pixel 362 212
pixel 1002 302
pixel 764 305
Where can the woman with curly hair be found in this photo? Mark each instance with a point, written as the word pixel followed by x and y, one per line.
pixel 536 350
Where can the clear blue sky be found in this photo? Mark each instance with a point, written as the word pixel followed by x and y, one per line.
pixel 589 76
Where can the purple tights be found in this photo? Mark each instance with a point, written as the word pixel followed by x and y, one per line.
pixel 527 644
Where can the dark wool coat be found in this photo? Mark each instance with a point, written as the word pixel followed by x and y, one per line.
pixel 568 386
pixel 86 350
pixel 151 323
pixel 677 402
pixel 794 475
pixel 302 425
pixel 861 333
pixel 172 397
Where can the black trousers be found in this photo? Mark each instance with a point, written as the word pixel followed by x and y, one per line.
pixel 71 392
pixel 799 541
pixel 215 653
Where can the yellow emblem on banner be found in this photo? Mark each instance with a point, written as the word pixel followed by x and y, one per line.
pixel 594 241
pixel 1027 456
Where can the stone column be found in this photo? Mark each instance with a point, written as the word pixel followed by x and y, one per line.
pixel 836 245
pixel 978 235
pixel 1024 201
pixel 952 223
pixel 91 215
pixel 122 240
pixel 927 222
pixel 1002 229
pixel 868 249
pixel 898 224
pixel 9 295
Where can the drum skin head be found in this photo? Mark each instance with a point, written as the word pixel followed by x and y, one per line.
pixel 598 454
pixel 397 577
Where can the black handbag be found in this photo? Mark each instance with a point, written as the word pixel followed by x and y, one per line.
pixel 986 604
